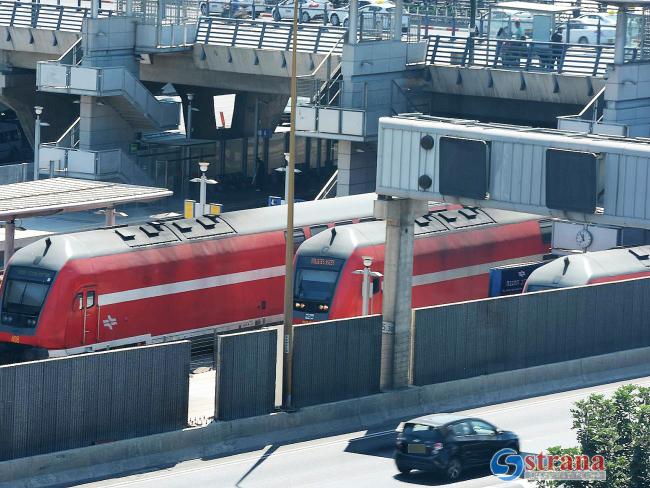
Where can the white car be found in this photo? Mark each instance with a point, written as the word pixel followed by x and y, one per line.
pixel 584 30
pixel 228 8
pixel 504 21
pixel 369 12
pixel 309 9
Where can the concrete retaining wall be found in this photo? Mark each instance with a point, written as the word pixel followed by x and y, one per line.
pixel 345 416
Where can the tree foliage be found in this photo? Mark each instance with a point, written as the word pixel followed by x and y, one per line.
pixel 617 428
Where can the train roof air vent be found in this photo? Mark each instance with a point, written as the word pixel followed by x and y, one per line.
pixel 422 221
pixel 125 234
pixel 468 213
pixel 184 227
pixel 150 230
pixel 641 253
pixel 206 223
pixel 448 216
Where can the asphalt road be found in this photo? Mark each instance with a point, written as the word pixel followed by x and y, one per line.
pixel 363 459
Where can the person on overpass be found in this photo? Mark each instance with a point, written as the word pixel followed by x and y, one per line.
pixel 519 30
pixel 556 48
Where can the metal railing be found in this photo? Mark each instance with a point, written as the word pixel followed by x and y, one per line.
pixel 579 59
pixel 329 186
pixel 156 12
pixel 45 16
pixel 74 55
pixel 312 38
pixel 70 137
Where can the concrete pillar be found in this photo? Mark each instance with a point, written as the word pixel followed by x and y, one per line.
pixel 396 301
pixel 397 20
pixel 204 125
pixel 10 230
pixel 353 26
pixel 101 127
pixel 357 168
pixel 621 36
pixel 269 111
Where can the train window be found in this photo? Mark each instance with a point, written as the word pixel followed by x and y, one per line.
pixel 342 222
pixel 78 302
pixel 367 219
pixel 376 285
pixel 317 229
pixel 298 237
pixel 90 299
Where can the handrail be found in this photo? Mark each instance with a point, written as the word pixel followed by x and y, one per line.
pixel 588 60
pixel 45 16
pixel 72 54
pixel 592 102
pixel 322 194
pixel 69 134
pixel 325 59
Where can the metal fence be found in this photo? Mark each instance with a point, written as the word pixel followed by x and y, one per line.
pixel 16 173
pixel 45 16
pixel 319 39
pixel 336 360
pixel 471 339
pixel 60 404
pixel 245 374
pixel 577 59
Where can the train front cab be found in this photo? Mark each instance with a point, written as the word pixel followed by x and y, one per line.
pixel 22 298
pixel 314 287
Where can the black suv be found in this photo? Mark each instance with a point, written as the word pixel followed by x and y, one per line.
pixel 449 444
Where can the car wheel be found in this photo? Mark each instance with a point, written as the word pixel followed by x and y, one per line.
pixel 204 9
pixel 403 469
pixel 276 15
pixel 334 19
pixel 346 22
pixel 583 40
pixel 453 470
pixel 305 17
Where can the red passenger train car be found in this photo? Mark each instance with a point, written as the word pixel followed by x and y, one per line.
pixel 454 249
pixel 156 281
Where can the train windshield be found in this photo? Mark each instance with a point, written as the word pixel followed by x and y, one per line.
pixel 533 288
pixel 316 278
pixel 24 294
pixel 315 284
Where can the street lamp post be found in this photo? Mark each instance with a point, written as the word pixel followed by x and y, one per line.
pixel 285 170
pixel 188 129
pixel 204 181
pixel 366 290
pixel 37 140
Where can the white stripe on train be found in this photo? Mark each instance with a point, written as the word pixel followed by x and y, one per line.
pixel 277 271
pixel 190 285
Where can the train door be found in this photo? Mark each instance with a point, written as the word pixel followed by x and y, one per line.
pixel 83 321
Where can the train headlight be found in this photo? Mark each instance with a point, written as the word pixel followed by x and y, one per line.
pixel 7 319
pixel 31 321
pixel 323 307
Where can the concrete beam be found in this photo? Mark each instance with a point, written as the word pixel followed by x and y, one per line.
pixel 180 68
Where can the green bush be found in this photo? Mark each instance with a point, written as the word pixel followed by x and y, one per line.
pixel 617 428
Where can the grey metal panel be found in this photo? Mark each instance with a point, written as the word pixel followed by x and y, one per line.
pixel 67 403
pixel 336 360
pixel 519 331
pixel 517 166
pixel 245 374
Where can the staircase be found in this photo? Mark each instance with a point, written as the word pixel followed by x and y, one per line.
pixel 116 86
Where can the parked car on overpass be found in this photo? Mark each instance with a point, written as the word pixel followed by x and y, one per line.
pixel 382 11
pixel 449 444
pixel 585 29
pixel 308 9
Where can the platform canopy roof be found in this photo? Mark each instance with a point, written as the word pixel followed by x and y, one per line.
pixel 58 195
pixel 533 7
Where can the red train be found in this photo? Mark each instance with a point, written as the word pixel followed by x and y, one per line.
pixel 157 281
pixel 454 250
pixel 589 268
